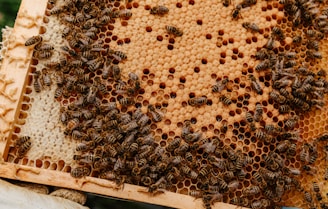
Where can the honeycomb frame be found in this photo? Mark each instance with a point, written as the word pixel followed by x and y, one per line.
pixel 16 47
pixel 14 70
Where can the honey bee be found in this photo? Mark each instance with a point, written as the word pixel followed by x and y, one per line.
pixel 79 172
pixel 21 140
pixel 240 201
pixel 225 100
pixel 278 33
pixel 291 122
pixel 270 43
pixel 251 26
pixel 251 190
pixel 37 83
pixel 258 112
pixel 224 127
pixel 196 193
pixel 175 143
pixel 189 157
pixel 236 12
pixel 125 13
pixel 33 40
pixel 220 85
pixel 255 85
pixel 85 159
pixel 226 3
pixel 116 72
pixel 85 146
pixel 297 39
pixel 309 169
pixel 197 101
pixel 46 77
pixel 283 146
pixel 308 197
pixel 263 65
pixel 313 54
pixel 119 55
pixel 159 10
pixel 43 47
pixel 262 203
pixel 284 108
pixel 91 96
pixel 173 30
pixel 157 115
pixel 24 148
pixel 58 92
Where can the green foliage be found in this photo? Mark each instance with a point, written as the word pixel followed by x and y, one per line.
pixel 8 12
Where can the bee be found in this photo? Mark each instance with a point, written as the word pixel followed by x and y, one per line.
pixel 240 201
pixel 173 30
pixel 260 134
pixel 43 54
pixel 225 100
pixel 316 189
pixel 277 97
pixel 291 122
pixel 116 72
pixel 309 169
pixel 21 140
pixel 236 12
pixel 308 197
pixel 220 85
pixel 119 55
pixel 270 43
pixel 79 172
pixel 297 39
pixel 157 115
pixel 261 54
pixel 87 158
pixel 146 152
pixel 251 190
pixel 43 47
pixel 175 143
pixel 197 101
pixel 196 193
pixel 262 203
pixel 249 117
pixel 66 31
pixel 283 146
pixel 278 33
pixel 262 65
pixel 189 157
pixel 125 13
pixel 33 40
pixel 313 54
pixel 182 149
pixel 311 44
pixel 284 108
pixel 251 26
pixel 224 127
pixel 81 147
pixel 24 148
pixel 58 92
pixel 46 77
pixel 204 171
pixel 258 112
pixel 91 96
pixel 159 10
pixel 255 85
pixel 37 83
pixel 326 174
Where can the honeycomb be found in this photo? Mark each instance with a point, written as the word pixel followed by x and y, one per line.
pixel 226 101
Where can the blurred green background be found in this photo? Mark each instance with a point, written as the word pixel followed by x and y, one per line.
pixel 8 12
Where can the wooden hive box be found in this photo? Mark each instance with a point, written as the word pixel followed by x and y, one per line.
pixel 197 101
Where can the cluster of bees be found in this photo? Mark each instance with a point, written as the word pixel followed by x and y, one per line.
pixel 116 141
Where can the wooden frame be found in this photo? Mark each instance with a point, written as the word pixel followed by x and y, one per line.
pixel 13 78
